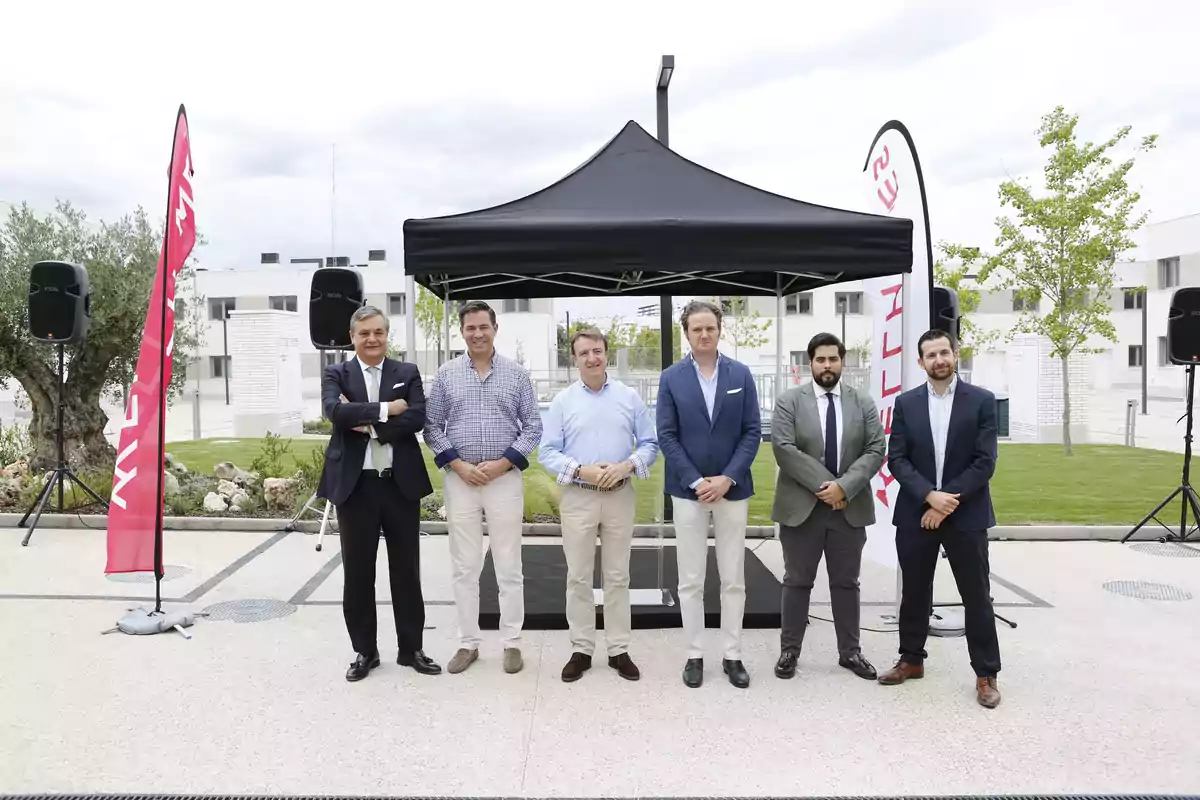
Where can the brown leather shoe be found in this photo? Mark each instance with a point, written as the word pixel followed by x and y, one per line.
pixel 987 693
pixel 902 672
pixel 624 666
pixel 578 664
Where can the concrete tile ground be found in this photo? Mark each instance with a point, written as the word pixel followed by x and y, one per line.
pixel 1098 690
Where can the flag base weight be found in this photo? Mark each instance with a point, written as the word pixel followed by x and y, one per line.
pixel 142 621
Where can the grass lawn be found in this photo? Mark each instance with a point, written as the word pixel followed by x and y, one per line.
pixel 1034 483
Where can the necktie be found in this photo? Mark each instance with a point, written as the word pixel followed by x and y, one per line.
pixel 831 453
pixel 378 449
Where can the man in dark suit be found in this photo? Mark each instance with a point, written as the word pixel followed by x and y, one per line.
pixel 829 443
pixel 375 476
pixel 709 430
pixel 942 451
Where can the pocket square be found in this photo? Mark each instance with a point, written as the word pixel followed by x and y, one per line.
pixel 398 385
pixel 733 391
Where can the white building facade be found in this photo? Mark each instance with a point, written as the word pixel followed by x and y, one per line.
pixel 527 330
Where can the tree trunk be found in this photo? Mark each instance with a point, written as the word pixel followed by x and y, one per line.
pixel 84 447
pixel 1066 413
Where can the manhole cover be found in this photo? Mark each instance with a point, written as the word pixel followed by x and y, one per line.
pixel 170 573
pixel 249 610
pixel 1145 590
pixel 1167 549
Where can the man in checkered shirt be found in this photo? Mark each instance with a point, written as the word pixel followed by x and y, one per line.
pixel 482 423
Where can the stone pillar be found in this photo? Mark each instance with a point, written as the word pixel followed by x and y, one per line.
pixel 266 382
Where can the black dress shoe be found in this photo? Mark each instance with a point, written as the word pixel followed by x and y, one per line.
pixel 785 667
pixel 693 672
pixel 737 673
pixel 362 667
pixel 859 666
pixel 420 662
pixel 576 665
pixel 624 666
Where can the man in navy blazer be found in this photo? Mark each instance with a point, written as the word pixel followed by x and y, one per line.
pixel 942 451
pixel 709 428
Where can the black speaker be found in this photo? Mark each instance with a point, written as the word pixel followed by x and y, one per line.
pixel 945 314
pixel 336 294
pixel 1183 326
pixel 60 302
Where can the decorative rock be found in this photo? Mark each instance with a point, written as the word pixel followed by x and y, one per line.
pixel 227 489
pixel 279 493
pixel 175 465
pixel 228 471
pixel 441 512
pixel 10 491
pixel 239 500
pixel 214 502
pixel 170 484
pixel 18 470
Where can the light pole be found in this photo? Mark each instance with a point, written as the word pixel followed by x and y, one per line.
pixel 842 310
pixel 1145 348
pixel 666 68
pixel 225 356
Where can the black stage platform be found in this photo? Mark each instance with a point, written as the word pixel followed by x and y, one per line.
pixel 545 569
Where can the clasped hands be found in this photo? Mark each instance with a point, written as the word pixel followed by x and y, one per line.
pixel 832 494
pixel 604 474
pixel 941 505
pixel 482 473
pixel 395 408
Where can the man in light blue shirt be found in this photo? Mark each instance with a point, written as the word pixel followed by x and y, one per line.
pixel 597 433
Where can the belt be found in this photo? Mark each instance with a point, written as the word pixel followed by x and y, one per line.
pixel 593 488
pixel 374 473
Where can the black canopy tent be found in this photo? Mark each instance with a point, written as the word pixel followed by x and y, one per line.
pixel 639 219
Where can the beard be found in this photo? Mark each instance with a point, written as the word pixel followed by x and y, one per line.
pixel 827 379
pixel 941 373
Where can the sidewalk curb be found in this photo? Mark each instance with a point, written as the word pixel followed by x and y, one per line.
pixel 1010 533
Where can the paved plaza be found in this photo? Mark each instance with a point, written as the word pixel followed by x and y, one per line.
pixel 1097 685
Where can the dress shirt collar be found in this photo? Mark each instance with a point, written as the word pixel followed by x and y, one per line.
pixel 822 391
pixel 603 386
pixel 949 388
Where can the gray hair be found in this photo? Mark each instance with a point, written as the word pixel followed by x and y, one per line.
pixel 367 312
pixel 699 307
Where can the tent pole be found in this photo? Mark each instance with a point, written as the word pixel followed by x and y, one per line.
pixel 666 327
pixel 410 322
pixel 778 390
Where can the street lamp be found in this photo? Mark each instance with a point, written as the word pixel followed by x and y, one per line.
pixel 666 325
pixel 841 302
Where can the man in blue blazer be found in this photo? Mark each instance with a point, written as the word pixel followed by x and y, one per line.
pixel 942 451
pixel 709 429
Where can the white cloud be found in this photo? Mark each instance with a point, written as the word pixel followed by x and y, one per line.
pixel 440 108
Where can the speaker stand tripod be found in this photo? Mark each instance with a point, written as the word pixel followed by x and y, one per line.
pixel 61 472
pixel 1190 501
pixel 308 506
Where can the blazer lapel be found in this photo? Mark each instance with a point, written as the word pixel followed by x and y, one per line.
pixel 692 381
pixel 851 422
pixel 920 416
pixel 356 382
pixel 956 415
pixel 808 416
pixel 391 376
pixel 722 388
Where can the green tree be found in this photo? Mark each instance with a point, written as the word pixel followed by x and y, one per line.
pixel 430 314
pixel 741 326
pixel 1063 243
pixel 121 259
pixel 973 336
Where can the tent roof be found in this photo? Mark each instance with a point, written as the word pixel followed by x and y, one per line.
pixel 639 219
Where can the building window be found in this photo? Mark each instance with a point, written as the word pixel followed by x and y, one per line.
pixel 848 302
pixel 1135 355
pixel 797 304
pixel 219 307
pixel 456 353
pixel 220 365
pixel 515 305
pixel 1020 303
pixel 329 358
pixel 853 359
pixel 800 359
pixel 1135 299
pixel 399 355
pixel 1163 356
pixel 1168 272
pixel 283 302
pixel 397 305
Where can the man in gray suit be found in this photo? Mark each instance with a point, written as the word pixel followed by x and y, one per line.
pixel 828 443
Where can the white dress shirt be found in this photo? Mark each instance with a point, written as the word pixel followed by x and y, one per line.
pixel 940 408
pixel 823 409
pixel 369 380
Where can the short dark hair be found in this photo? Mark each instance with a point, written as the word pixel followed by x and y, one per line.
pixel 934 334
pixel 588 333
pixel 472 306
pixel 825 340
pixel 699 307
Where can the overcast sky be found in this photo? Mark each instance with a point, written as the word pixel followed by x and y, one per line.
pixel 443 108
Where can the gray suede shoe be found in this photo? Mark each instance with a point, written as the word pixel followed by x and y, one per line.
pixel 512 660
pixel 462 659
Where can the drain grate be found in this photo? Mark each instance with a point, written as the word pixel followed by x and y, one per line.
pixel 1147 590
pixel 249 610
pixel 1166 549
pixel 170 573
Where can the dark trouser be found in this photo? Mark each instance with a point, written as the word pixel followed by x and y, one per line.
pixel 375 505
pixel 824 532
pixel 967 552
